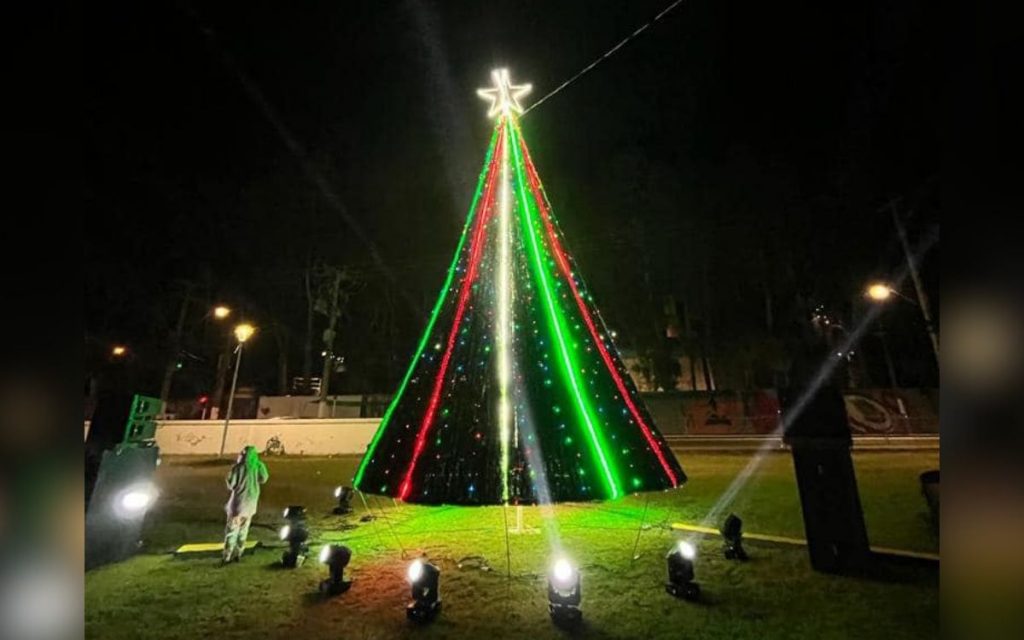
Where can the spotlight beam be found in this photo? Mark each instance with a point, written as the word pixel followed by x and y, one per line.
pixel 822 375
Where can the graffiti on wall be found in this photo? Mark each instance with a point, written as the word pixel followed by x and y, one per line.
pixel 870 412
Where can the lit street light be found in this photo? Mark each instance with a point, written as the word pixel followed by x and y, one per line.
pixel 119 350
pixel 221 312
pixel 879 292
pixel 243 332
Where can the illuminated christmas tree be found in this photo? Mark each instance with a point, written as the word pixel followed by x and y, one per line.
pixel 516 393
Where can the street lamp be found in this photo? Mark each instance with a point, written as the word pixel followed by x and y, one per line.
pixel 243 332
pixel 220 313
pixel 879 291
pixel 119 350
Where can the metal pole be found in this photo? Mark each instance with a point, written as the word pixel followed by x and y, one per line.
pixel 508 550
pixel 888 360
pixel 922 297
pixel 231 399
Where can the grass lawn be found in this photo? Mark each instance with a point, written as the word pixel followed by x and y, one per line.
pixel 774 595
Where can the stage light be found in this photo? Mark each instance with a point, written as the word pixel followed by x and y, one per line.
pixel 296 535
pixel 732 535
pixel 336 557
pixel 426 601
pixel 562 571
pixel 134 501
pixel 344 498
pixel 680 571
pixel 564 594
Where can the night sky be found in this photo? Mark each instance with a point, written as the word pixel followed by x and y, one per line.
pixel 732 149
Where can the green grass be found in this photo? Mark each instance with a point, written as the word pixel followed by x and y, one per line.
pixel 774 595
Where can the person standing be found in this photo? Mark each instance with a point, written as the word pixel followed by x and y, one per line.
pixel 244 480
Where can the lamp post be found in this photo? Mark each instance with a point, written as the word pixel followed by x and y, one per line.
pixel 881 292
pixel 220 313
pixel 243 332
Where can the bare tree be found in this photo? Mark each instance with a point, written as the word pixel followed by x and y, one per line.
pixel 334 286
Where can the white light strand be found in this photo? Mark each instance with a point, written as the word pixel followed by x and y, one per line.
pixel 504 287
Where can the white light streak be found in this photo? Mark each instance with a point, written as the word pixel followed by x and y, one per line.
pixel 504 286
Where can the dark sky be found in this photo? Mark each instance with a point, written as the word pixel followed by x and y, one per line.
pixel 746 144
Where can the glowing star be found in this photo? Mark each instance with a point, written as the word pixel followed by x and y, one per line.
pixel 504 95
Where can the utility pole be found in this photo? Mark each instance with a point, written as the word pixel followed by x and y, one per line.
pixel 231 398
pixel 242 333
pixel 922 297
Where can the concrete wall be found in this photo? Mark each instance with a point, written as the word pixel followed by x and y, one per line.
pixel 294 437
pixel 872 412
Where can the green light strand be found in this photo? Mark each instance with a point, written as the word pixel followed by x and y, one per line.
pixel 433 315
pixel 557 324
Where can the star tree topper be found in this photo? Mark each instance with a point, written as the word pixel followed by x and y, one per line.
pixel 504 95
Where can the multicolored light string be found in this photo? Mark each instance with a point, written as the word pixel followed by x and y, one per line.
pixel 519 399
pixel 488 170
pixel 569 365
pixel 476 250
pixel 563 263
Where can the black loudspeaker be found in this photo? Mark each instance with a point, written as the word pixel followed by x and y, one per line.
pixel 819 437
pixel 123 494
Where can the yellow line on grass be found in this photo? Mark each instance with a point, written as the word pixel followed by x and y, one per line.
pixel 762 537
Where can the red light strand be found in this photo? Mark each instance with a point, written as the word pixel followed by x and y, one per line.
pixel 467 286
pixel 563 263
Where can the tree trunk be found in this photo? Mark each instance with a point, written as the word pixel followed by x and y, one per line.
pixel 176 340
pixel 307 346
pixel 281 337
pixel 333 312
